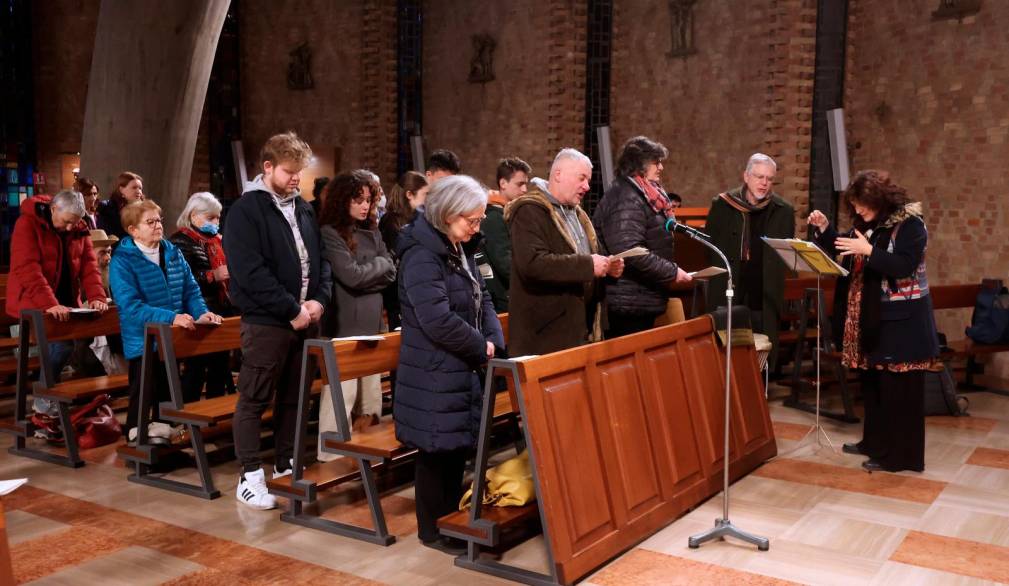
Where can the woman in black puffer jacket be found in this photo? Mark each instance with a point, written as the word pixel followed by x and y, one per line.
pixel 633 212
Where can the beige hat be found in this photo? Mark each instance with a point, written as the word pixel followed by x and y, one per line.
pixel 99 238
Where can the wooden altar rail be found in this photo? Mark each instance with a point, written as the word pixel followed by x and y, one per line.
pixel 624 436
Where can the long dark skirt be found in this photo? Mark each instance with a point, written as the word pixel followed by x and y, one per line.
pixel 894 424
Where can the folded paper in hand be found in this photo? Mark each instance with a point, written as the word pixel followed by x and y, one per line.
pixel 632 252
pixel 708 273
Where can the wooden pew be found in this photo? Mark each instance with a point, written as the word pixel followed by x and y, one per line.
pixel 164 346
pixel 37 328
pixel 624 436
pixel 964 297
pixel 366 451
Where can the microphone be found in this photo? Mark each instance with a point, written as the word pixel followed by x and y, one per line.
pixel 673 226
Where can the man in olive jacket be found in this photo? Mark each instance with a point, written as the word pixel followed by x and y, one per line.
pixel 554 296
pixel 513 181
pixel 736 221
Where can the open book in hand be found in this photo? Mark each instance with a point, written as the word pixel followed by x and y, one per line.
pixel 708 273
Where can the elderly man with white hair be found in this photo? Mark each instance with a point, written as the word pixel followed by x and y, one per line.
pixel 555 294
pixel 53 267
pixel 736 222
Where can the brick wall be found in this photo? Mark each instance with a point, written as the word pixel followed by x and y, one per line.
pixel 349 109
pixel 929 101
pixel 64 37
pixel 748 88
pixel 534 107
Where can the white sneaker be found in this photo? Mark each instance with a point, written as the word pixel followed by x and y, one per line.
pixel 252 491
pixel 156 429
pixel 282 473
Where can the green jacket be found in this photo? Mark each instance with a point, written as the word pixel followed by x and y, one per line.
pixel 725 225
pixel 498 252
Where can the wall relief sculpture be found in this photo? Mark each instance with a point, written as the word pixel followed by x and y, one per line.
pixel 481 66
pixel 681 20
pixel 299 70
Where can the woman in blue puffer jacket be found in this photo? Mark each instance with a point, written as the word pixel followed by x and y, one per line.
pixel 151 282
pixel 450 330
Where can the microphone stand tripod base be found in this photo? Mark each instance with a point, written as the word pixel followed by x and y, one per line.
pixel 724 528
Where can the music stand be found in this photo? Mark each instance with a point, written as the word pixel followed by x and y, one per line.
pixel 802 255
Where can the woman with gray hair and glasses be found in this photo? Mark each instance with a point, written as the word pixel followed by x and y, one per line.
pixel 450 331
pixel 199 241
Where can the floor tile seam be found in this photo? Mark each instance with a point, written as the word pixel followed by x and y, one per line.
pixel 155 528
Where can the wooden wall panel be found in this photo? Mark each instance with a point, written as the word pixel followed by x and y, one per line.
pixel 626 435
pixel 632 456
pixel 681 470
pixel 577 461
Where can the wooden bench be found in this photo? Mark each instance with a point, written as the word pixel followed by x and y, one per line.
pixel 164 346
pixel 365 452
pixel 944 297
pixel 965 297
pixel 37 328
pixel 624 436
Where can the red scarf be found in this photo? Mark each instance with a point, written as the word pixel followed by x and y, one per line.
pixel 656 196
pixel 214 247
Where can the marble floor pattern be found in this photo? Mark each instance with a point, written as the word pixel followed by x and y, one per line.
pixel 829 522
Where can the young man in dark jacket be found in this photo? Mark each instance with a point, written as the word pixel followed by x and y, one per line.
pixel 512 181
pixel 281 283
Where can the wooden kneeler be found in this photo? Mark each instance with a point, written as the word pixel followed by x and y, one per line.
pixel 370 358
pixel 166 345
pixel 481 526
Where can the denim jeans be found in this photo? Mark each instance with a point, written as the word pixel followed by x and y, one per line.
pixel 59 355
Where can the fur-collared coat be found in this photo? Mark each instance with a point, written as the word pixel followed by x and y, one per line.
pixel 554 296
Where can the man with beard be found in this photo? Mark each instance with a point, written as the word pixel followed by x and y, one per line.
pixel 280 282
pixel 736 221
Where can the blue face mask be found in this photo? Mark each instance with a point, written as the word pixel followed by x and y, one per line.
pixel 209 229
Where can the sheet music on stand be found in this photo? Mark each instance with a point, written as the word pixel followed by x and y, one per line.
pixel 802 255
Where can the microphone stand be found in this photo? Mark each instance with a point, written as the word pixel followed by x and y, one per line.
pixel 723 527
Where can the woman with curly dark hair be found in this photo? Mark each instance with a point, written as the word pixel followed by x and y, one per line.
pixel 889 333
pixel 362 268
pixel 633 212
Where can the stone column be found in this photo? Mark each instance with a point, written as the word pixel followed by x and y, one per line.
pixel 149 76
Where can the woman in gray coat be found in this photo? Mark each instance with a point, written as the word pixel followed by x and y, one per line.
pixel 362 268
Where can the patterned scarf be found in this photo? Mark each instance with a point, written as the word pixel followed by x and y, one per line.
pixel 741 205
pixel 656 196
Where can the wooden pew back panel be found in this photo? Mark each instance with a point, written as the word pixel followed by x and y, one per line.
pixel 79 326
pixel 204 339
pixel 627 435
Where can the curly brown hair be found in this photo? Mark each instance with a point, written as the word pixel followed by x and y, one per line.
pixel 876 191
pixel 336 204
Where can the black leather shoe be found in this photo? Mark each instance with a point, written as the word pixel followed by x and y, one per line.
pixel 871 465
pixel 448 545
pixel 852 449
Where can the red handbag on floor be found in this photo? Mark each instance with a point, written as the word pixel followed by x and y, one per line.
pixel 96 423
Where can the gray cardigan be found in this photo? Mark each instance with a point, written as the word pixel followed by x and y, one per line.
pixel 358 280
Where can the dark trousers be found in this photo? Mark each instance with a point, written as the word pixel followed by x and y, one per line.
pixel 271 360
pixel 624 324
pixel 893 431
pixel 214 370
pixel 160 388
pixel 437 488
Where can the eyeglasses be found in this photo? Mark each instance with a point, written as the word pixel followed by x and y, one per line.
pixel 154 222
pixel 474 222
pixel 768 178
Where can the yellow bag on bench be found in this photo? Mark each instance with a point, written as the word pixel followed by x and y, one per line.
pixel 509 484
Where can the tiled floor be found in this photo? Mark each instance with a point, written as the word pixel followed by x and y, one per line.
pixel 829 522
